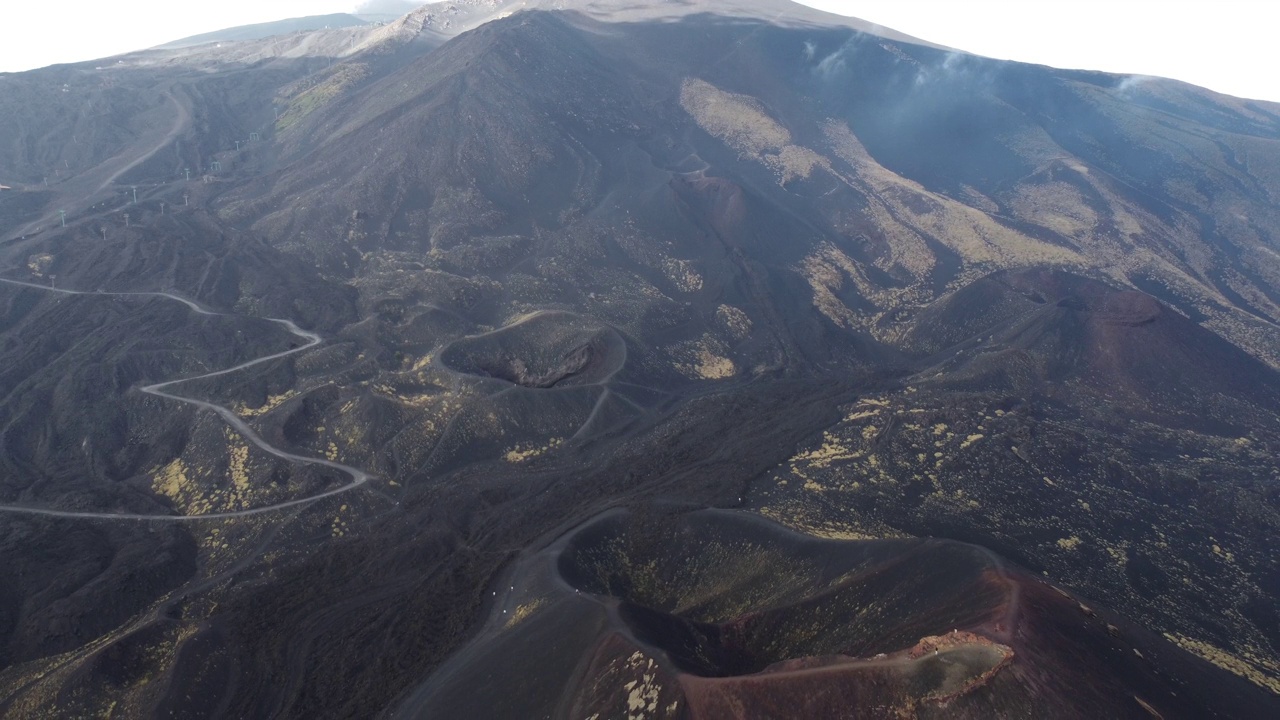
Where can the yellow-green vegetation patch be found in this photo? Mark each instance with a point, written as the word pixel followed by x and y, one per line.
pixel 39 263
pixel 908 212
pixel 339 527
pixel 831 450
pixel 704 359
pixel 1255 670
pixel 742 123
pixel 1069 543
pixel 272 402
pixel 642 694
pixel 527 451
pixel 525 610
pixel 734 321
pixel 682 274
pixel 313 98
pixel 173 482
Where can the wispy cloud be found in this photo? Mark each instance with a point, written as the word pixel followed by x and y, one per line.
pixel 1133 82
pixel 838 61
pixel 835 62
pixel 954 66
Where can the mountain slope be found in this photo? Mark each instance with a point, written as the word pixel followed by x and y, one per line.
pixel 525 264
pixel 258 31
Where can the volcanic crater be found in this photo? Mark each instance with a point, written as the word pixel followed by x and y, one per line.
pixel 751 597
pixel 541 351
pixel 704 613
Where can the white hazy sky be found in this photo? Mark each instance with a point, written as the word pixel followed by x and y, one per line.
pixel 1226 45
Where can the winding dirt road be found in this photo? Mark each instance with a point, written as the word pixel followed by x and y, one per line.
pixel 358 477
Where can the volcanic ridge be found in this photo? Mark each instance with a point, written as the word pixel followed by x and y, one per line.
pixel 633 359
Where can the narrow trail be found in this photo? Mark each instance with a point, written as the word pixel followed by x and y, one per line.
pixel 358 477
pixel 181 120
pixel 1005 628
